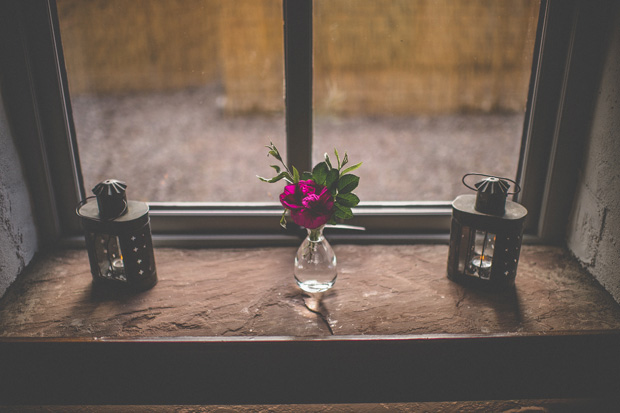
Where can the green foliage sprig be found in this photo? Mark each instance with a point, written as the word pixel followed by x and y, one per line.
pixel 334 176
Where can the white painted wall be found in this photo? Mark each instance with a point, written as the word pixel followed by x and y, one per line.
pixel 18 235
pixel 594 228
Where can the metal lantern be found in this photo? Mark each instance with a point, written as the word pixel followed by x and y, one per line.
pixel 486 234
pixel 118 238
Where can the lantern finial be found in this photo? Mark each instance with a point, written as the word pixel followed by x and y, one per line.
pixel 491 195
pixel 111 198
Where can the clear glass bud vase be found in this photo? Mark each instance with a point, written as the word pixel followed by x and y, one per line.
pixel 315 263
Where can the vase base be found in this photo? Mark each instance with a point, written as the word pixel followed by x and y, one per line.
pixel 314 286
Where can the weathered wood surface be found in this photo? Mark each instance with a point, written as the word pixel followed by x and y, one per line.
pixel 380 290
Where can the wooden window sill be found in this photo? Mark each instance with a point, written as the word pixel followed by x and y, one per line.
pixel 393 328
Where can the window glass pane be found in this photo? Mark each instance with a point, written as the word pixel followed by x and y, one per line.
pixel 177 98
pixel 422 91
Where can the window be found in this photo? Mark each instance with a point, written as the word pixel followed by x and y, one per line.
pixel 423 92
pixel 400 218
pixel 34 84
pixel 181 108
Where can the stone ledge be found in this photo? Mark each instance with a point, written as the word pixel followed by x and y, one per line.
pixel 381 290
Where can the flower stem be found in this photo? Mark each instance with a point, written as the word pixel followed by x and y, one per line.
pixel 315 234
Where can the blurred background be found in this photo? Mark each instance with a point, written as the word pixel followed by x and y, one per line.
pixel 179 97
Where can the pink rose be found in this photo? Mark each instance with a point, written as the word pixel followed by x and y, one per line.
pixel 294 194
pixel 311 204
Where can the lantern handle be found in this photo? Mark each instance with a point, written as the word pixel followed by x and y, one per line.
pixel 516 185
pixel 85 200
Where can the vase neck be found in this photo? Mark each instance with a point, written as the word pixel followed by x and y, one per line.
pixel 315 234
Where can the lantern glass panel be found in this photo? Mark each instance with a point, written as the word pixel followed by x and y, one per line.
pixel 463 250
pixel 109 256
pixel 482 260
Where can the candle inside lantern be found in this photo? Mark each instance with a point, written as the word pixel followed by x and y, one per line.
pixel 118 264
pixel 115 258
pixel 117 268
pixel 481 263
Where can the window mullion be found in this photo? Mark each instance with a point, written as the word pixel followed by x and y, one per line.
pixel 298 82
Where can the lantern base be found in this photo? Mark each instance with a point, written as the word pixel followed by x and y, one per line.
pixel 491 284
pixel 143 284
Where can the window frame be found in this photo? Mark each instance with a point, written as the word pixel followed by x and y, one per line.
pixel 180 370
pixel 182 224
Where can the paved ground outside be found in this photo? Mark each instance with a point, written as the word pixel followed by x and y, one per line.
pixel 177 146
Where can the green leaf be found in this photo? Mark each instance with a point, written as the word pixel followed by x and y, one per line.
pixel 332 220
pixel 332 178
pixel 351 168
pixel 295 175
pixel 275 154
pixel 337 157
pixel 283 219
pixel 319 173
pixel 283 175
pixel 329 164
pixel 305 176
pixel 348 200
pixel 347 183
pixel 276 167
pixel 343 212
pixel 345 160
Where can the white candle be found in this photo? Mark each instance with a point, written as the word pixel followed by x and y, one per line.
pixel 481 264
pixel 118 265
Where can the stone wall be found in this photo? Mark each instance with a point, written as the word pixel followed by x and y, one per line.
pixel 18 236
pixel 594 229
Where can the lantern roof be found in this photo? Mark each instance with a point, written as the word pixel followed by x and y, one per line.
pixel 493 185
pixel 110 187
pixel 111 198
